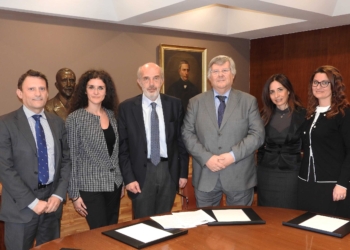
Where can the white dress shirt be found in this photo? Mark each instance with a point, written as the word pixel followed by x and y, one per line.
pixel 146 110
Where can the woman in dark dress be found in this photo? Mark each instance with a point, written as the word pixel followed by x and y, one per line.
pixel 279 158
pixel 325 170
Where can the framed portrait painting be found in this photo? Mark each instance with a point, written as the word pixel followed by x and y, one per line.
pixel 184 71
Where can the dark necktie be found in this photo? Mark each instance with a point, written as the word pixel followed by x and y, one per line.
pixel 221 108
pixel 43 166
pixel 155 147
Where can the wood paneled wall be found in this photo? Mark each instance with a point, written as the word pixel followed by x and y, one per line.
pixel 297 56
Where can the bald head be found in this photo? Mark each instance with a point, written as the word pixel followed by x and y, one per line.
pixel 150 77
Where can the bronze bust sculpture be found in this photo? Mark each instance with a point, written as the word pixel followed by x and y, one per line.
pixel 65 83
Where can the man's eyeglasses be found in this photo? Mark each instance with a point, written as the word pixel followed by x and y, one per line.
pixel 224 72
pixel 322 83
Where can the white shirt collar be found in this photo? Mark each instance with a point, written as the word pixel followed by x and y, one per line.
pixel 227 93
pixel 147 102
pixel 30 113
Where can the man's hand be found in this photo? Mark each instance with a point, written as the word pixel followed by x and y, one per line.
pixel 133 187
pixel 52 204
pixel 40 207
pixel 226 159
pixel 215 163
pixel 339 193
pixel 182 182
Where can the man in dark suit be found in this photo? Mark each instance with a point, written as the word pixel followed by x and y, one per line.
pixel 183 88
pixel 152 157
pixel 34 167
pixel 222 129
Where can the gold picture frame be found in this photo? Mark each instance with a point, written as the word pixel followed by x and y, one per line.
pixel 170 57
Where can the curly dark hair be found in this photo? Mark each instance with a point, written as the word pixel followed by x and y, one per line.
pixel 79 98
pixel 269 107
pixel 338 101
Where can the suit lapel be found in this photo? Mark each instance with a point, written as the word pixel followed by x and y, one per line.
pixel 24 128
pixel 231 104
pixel 210 105
pixel 295 122
pixel 166 114
pixel 138 115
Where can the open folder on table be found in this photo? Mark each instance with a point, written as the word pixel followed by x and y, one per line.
pixel 143 234
pixel 233 216
pixel 320 224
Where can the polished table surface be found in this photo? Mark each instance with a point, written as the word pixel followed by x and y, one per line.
pixel 272 235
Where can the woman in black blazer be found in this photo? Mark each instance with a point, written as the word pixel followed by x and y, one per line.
pixel 325 170
pixel 95 185
pixel 279 158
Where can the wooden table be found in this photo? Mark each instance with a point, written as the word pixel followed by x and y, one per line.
pixel 272 235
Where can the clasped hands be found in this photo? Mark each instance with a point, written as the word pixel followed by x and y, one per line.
pixel 219 162
pixel 48 206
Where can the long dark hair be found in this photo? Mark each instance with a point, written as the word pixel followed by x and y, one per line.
pixel 79 98
pixel 338 100
pixel 269 107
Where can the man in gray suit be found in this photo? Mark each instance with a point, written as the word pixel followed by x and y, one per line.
pixel 222 129
pixel 34 167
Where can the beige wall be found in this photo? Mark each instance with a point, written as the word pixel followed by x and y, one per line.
pixel 49 43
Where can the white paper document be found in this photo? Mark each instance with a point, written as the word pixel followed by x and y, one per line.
pixel 143 232
pixel 183 219
pixel 168 221
pixel 324 223
pixel 192 219
pixel 230 215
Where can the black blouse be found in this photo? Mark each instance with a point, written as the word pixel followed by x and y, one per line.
pixel 110 138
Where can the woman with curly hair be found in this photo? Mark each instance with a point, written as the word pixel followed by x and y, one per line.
pixel 325 170
pixel 95 186
pixel 279 158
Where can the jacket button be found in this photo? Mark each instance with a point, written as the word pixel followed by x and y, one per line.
pixel 35 172
pixel 219 147
pixel 111 170
pixel 145 165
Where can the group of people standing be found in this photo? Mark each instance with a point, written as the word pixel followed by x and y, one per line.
pixel 305 160
pixel 143 144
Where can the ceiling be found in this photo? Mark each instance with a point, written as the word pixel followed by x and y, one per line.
pixel 247 19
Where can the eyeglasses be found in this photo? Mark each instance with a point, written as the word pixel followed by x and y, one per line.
pixel 224 72
pixel 322 83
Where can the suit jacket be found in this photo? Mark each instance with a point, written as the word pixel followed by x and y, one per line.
pixel 56 107
pixel 284 156
pixel 241 131
pixel 93 170
pixel 133 141
pixel 330 142
pixel 19 165
pixel 178 90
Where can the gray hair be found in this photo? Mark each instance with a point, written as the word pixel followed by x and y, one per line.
pixel 139 71
pixel 220 60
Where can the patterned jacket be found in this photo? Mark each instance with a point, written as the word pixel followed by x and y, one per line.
pixel 93 170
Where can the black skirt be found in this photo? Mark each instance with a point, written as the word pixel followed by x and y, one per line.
pixel 318 198
pixel 277 188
